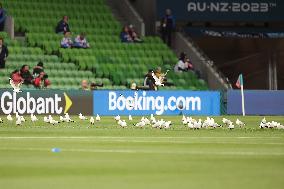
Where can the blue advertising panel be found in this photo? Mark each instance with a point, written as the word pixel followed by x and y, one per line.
pixel 257 102
pixel 223 10
pixel 156 102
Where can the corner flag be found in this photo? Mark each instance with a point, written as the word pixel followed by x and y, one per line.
pixel 240 85
pixel 240 81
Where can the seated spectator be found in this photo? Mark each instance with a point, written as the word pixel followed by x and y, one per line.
pixel 85 85
pixel 38 69
pixel 149 81
pixel 2 17
pixel 66 42
pixel 181 66
pixel 62 26
pixel 188 64
pixel 81 41
pixel 41 81
pixel 133 86
pixel 16 77
pixel 4 53
pixel 124 35
pixel 95 86
pixel 134 36
pixel 158 73
pixel 26 75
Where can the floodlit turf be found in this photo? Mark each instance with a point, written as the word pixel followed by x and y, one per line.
pixel 106 156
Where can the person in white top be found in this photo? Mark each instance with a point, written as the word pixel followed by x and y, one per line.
pixel 181 66
pixel 66 42
pixel 81 41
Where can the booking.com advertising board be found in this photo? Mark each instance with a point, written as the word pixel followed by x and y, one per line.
pixel 156 102
pixel 223 10
pixel 257 102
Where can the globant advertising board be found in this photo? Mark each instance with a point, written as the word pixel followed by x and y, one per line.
pixel 46 102
pixel 156 102
pixel 223 10
pixel 257 102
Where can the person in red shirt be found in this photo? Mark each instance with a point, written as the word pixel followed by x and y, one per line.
pixel 16 77
pixel 41 81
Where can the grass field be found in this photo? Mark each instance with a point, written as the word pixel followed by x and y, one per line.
pixel 106 156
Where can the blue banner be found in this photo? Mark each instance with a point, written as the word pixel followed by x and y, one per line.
pixel 257 102
pixel 156 102
pixel 223 10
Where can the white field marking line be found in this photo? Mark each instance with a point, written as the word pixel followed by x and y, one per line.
pixel 146 151
pixel 111 137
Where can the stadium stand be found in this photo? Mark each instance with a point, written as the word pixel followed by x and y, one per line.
pixel 109 61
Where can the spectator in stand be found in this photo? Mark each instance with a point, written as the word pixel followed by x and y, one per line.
pixel 2 17
pixel 38 69
pixel 158 73
pixel 85 85
pixel 188 64
pixel 62 26
pixel 81 41
pixel 41 81
pixel 67 42
pixel 4 53
pixel 134 36
pixel 167 27
pixel 149 81
pixel 26 75
pixel 181 66
pixel 124 35
pixel 16 77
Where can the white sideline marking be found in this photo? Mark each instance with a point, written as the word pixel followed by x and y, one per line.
pixel 111 137
pixel 147 151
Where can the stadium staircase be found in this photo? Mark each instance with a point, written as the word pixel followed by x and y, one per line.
pixel 108 60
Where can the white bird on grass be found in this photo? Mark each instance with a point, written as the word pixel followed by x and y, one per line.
pixel 167 125
pixel 130 118
pixel 92 121
pixel 1 121
pixel 117 118
pixel 98 118
pixel 140 124
pixel 9 117
pixel 45 119
pixel 16 87
pixel 33 118
pixel 122 123
pixel 240 123
pixel 231 126
pixel 197 124
pixel 18 122
pixel 146 120
pixel 81 117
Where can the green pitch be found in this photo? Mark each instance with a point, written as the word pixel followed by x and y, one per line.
pixel 105 156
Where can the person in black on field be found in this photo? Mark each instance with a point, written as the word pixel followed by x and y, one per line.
pixel 4 53
pixel 167 27
pixel 62 26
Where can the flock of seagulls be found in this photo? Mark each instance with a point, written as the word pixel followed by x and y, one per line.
pixel 144 122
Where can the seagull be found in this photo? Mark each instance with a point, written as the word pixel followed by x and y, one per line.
pixel 117 118
pixel 231 126
pixel 122 123
pixel 67 118
pixel 146 120
pixel 82 117
pixel 240 123
pixel 9 117
pixel 98 118
pixel 92 121
pixel 16 87
pixel 130 118
pixel 61 118
pixel 53 122
pixel 197 124
pixel 158 80
pixel 167 124
pixel 140 124
pixel 18 122
pixel 33 118
pixel 45 119
pixel 1 121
